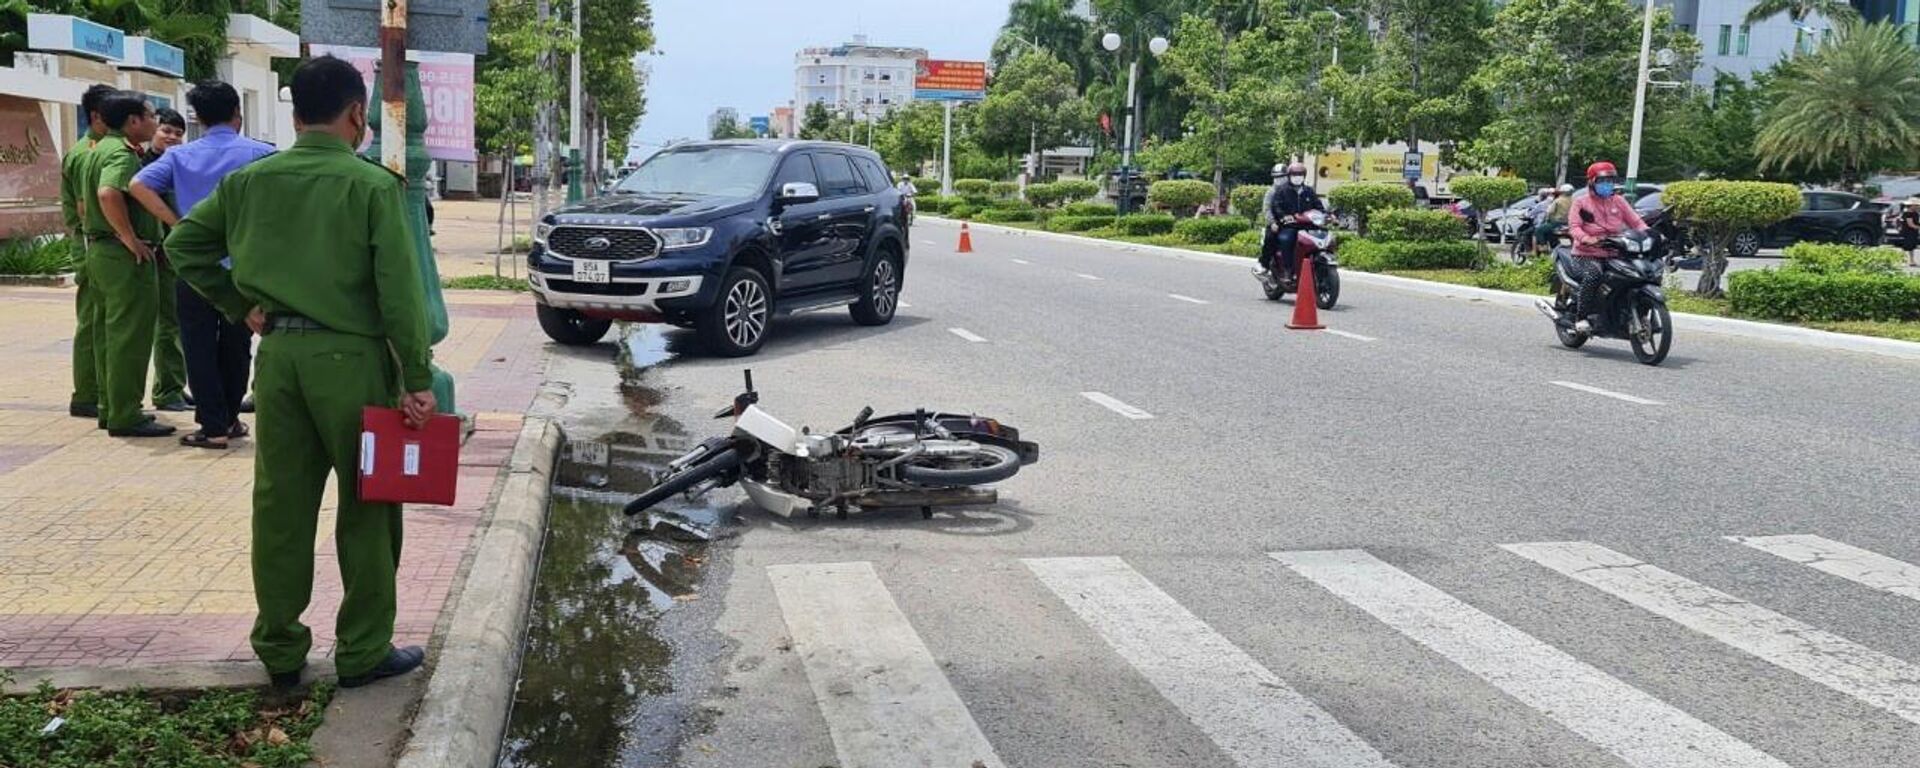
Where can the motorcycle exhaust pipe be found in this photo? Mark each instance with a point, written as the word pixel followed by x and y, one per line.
pixel 1546 308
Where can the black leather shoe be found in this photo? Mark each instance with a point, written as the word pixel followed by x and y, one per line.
pixel 145 418
pixel 146 429
pixel 180 406
pixel 399 661
pixel 83 410
pixel 286 681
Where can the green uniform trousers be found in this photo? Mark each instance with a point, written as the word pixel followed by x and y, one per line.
pixel 123 333
pixel 86 369
pixel 169 360
pixel 308 389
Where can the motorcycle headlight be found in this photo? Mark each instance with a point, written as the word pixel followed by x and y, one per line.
pixel 540 232
pixel 683 237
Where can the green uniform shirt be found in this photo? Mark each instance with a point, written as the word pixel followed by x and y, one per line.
pixel 74 200
pixel 112 163
pixel 313 231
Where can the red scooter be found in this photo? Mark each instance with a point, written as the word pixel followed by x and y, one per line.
pixel 1317 245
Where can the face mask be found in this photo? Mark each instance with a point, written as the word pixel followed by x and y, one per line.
pixel 1603 189
pixel 1297 180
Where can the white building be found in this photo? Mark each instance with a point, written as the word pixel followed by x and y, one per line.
pixel 1729 44
pixel 723 115
pixel 252 45
pixel 856 79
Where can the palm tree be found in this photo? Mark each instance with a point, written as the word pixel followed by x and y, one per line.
pixel 1799 10
pixel 1851 106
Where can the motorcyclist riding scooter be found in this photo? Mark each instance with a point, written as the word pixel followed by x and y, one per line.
pixel 1289 195
pixel 1602 214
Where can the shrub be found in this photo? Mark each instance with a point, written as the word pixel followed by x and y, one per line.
pixel 1371 256
pixel 1799 295
pixel 925 184
pixel 1532 277
pixel 1179 196
pixel 1090 209
pixel 1146 224
pixel 1009 204
pixel 931 203
pixel 1246 200
pixel 1488 192
pixel 1043 194
pixel 1004 215
pixel 1245 243
pixel 1415 225
pixel 35 256
pixel 1209 229
pixel 1003 189
pixel 962 211
pixel 1073 190
pixel 1718 210
pixel 977 201
pixel 973 187
pixel 1361 199
pixel 1069 223
pixel 1825 258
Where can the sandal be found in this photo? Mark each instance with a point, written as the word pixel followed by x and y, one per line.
pixel 200 439
pixel 239 430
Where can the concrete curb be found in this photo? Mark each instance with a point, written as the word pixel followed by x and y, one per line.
pixel 1752 329
pixel 182 676
pixel 62 280
pixel 463 715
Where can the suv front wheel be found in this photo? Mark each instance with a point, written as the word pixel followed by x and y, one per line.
pixel 880 292
pixel 571 328
pixel 736 324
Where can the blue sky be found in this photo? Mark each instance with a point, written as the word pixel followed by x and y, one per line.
pixel 739 53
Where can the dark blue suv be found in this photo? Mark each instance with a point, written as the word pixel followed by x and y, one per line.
pixel 721 237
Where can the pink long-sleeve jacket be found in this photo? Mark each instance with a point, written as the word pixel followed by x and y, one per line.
pixel 1612 215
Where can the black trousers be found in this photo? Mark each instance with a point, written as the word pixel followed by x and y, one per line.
pixel 1586 276
pixel 1280 245
pixel 219 354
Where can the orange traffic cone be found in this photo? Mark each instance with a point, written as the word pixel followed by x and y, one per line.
pixel 966 240
pixel 1306 309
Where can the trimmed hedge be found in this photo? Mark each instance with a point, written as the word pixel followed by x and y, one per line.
pixel 1043 194
pixel 1179 194
pixel 1070 223
pixel 1146 224
pixel 1090 209
pixel 1210 230
pixel 1363 198
pixel 1009 204
pixel 1488 192
pixel 972 187
pixel 1246 200
pixel 1003 188
pixel 1800 295
pixel 962 211
pixel 1245 243
pixel 1005 215
pixel 1827 259
pixel 925 184
pixel 1414 225
pixel 932 203
pixel 1371 256
pixel 1072 190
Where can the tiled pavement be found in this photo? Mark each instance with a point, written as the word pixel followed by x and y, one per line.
pixel 121 552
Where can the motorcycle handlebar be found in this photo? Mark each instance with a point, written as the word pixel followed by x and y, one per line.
pixel 726 460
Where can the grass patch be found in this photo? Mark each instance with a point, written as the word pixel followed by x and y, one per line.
pixel 520 244
pixel 1908 331
pixel 210 729
pixel 485 283
pixel 35 256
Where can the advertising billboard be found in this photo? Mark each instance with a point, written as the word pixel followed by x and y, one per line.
pixel 446 85
pixel 944 80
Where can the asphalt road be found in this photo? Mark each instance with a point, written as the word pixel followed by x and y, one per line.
pixel 1435 538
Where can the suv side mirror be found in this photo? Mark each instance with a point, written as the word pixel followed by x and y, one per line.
pixel 797 193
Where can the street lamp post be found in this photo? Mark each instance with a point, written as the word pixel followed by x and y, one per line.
pixel 1158 45
pixel 1640 99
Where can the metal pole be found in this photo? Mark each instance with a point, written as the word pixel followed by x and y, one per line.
pixel 542 128
pixel 946 153
pixel 1126 140
pixel 393 86
pixel 1640 100
pixel 576 121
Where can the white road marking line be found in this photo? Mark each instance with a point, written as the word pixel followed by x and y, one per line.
pixel 1188 299
pixel 966 334
pixel 1846 561
pixel 1086 276
pixel 1020 261
pixel 1605 393
pixel 1823 657
pixel 1350 335
pixel 884 698
pixel 1242 706
pixel 1638 728
pixel 904 305
pixel 1116 406
pixel 928 242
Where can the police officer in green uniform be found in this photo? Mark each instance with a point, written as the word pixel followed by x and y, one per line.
pixel 169 359
pixel 120 262
pixel 74 198
pixel 324 267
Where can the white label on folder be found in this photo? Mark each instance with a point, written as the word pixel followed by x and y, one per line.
pixel 589 452
pixel 366 454
pixel 410 463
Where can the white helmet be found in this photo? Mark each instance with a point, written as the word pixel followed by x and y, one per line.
pixel 1566 189
pixel 1545 191
pixel 1279 170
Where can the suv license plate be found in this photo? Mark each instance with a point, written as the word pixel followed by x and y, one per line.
pixel 590 271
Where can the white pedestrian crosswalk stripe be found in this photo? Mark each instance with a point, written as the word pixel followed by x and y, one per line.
pixel 1638 728
pixel 1843 560
pixel 1242 706
pixel 885 700
pixel 1823 657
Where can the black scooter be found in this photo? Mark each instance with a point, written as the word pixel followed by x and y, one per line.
pixel 1630 303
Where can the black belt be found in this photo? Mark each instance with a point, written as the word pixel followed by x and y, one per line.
pixel 280 322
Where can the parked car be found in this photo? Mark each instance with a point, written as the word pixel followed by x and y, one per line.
pixel 721 237
pixel 1825 216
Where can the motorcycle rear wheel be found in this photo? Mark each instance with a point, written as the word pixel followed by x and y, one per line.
pixel 989 464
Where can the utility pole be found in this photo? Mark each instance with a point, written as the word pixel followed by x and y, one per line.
pixel 946 153
pixel 576 122
pixel 1640 100
pixel 543 126
pixel 393 86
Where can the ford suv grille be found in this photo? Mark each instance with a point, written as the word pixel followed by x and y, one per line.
pixel 608 244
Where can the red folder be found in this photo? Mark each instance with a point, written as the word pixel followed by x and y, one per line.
pixel 403 465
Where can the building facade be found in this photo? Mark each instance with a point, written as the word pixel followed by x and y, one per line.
pixel 856 79
pixel 1729 44
pixel 723 115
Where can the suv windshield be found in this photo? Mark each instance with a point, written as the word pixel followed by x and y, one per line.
pixel 702 172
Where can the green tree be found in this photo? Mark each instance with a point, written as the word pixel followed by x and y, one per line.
pixel 1799 10
pixel 1233 83
pixel 1032 102
pixel 910 135
pixel 1051 26
pixel 1412 89
pixel 729 128
pixel 509 84
pixel 817 123
pixel 612 33
pixel 1851 107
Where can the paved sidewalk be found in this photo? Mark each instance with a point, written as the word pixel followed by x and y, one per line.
pixel 124 553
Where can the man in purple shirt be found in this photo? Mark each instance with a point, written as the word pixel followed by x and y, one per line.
pixel 218 352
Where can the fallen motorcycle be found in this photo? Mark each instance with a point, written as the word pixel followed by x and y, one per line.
pixel 1315 244
pixel 921 459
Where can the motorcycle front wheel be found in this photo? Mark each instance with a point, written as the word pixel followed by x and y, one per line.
pixel 1326 286
pixel 986 464
pixel 1654 337
pixel 1522 248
